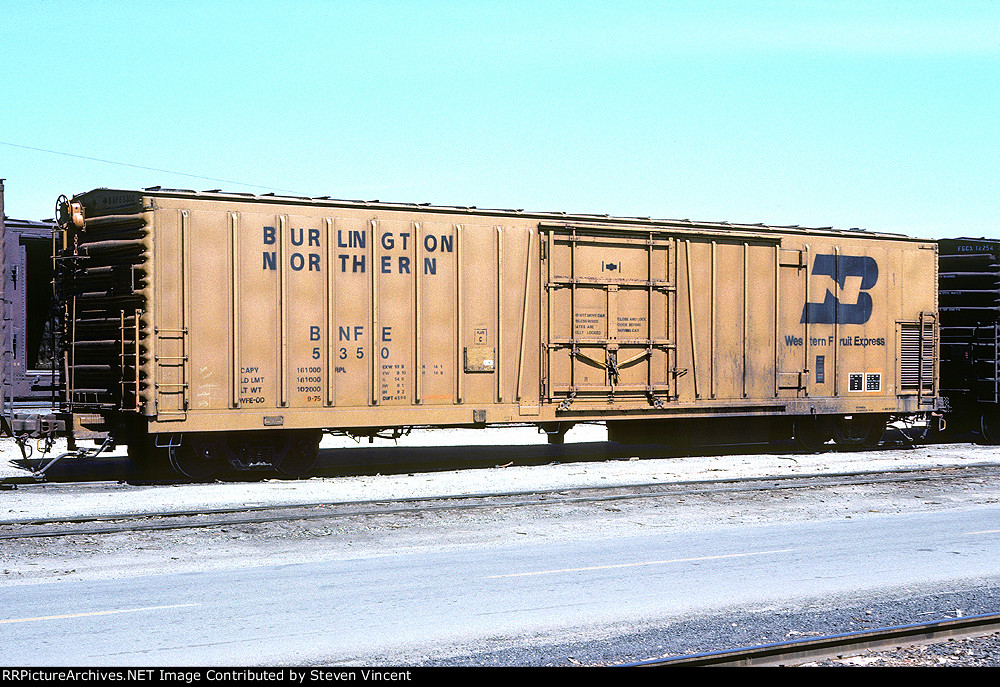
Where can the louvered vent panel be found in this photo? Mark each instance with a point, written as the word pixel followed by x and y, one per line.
pixel 916 356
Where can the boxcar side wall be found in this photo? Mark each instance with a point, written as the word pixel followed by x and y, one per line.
pixel 850 313
pixel 347 320
pixel 262 315
pixel 689 323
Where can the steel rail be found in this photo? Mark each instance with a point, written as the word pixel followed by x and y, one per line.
pixel 184 519
pixel 831 646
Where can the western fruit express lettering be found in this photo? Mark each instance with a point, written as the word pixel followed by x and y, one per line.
pixel 860 341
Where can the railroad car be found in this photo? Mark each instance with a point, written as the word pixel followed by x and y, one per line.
pixel 28 382
pixel 29 343
pixel 969 278
pixel 209 330
pixel 5 355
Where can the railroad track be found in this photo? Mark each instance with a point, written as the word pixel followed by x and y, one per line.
pixel 834 646
pixel 240 515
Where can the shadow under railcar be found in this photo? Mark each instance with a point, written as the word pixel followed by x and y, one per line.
pixel 401 459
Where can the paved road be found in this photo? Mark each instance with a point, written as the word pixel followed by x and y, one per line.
pixel 397 608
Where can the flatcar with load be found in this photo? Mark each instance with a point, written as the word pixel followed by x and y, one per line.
pixel 209 330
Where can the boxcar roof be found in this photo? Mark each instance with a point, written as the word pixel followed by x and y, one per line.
pixel 561 218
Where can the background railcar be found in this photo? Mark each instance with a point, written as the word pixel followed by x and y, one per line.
pixel 210 329
pixel 969 277
pixel 28 381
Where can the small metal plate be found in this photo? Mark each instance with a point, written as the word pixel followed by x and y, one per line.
pixel 480 358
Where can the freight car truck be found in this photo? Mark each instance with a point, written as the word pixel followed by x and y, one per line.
pixel 209 330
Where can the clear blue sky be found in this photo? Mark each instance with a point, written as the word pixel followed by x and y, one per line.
pixel 882 115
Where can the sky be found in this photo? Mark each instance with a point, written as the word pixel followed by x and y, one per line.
pixel 871 114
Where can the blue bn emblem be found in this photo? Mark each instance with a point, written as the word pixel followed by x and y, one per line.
pixel 839 268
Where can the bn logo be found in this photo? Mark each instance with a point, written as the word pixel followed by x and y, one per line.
pixel 840 268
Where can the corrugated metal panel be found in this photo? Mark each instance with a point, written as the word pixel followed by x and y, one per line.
pixel 103 275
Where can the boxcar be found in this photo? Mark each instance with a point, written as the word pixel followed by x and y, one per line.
pixel 969 278
pixel 27 379
pixel 209 329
